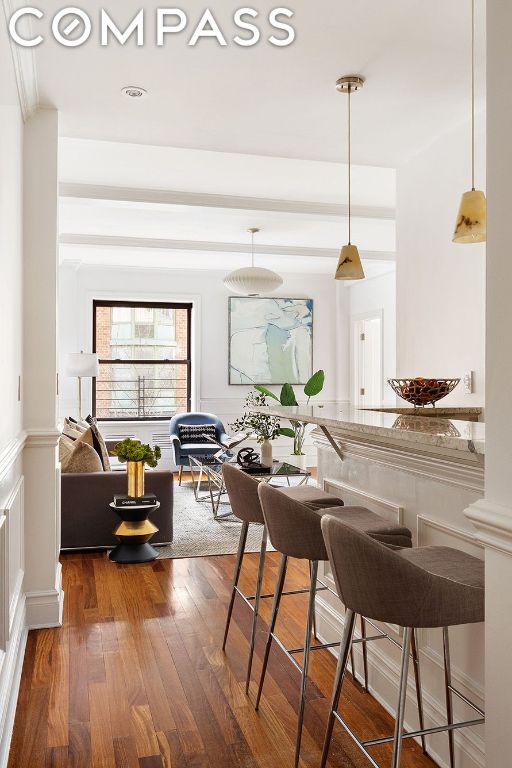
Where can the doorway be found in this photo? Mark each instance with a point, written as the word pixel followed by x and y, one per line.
pixel 366 356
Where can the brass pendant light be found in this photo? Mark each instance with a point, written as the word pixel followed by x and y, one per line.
pixel 471 224
pixel 349 263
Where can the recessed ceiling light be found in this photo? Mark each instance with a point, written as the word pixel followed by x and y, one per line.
pixel 134 92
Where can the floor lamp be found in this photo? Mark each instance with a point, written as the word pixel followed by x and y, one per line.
pixel 82 365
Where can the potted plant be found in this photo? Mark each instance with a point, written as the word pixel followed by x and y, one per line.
pixel 297 430
pixel 136 455
pixel 264 427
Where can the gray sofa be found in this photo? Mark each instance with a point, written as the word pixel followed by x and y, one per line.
pixel 87 521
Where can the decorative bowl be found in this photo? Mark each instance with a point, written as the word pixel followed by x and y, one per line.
pixel 421 391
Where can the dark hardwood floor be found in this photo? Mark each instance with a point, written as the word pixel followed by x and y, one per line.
pixel 135 677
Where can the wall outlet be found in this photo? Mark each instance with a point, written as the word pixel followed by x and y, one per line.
pixel 467 383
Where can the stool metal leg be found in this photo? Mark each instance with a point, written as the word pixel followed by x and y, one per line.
pixel 365 654
pixel 236 576
pixel 417 681
pixel 399 724
pixel 180 474
pixel 275 608
pixel 346 643
pixel 305 662
pixel 448 693
pixel 314 611
pixel 261 564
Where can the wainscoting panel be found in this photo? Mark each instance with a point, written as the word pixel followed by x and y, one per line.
pixel 429 495
pixel 13 631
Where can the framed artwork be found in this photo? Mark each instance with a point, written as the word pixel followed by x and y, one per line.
pixel 270 340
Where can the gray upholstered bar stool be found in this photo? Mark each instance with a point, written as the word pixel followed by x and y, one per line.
pixel 295 531
pixel 413 588
pixel 242 491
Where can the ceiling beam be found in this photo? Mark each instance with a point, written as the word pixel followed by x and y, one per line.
pixel 115 241
pixel 208 200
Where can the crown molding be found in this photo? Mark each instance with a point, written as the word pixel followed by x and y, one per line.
pixel 24 64
pixel 114 241
pixel 208 200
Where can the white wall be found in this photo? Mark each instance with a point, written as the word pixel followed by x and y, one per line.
pixel 440 285
pixel 79 285
pixel 11 320
pixel 12 438
pixel 379 295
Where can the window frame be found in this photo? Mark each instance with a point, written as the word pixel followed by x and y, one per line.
pixel 182 361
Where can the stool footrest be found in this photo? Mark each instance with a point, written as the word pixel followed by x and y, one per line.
pixel 424 732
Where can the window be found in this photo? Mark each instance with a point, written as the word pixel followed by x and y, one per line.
pixel 144 359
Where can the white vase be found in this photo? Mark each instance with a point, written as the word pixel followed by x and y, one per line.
pixel 298 460
pixel 266 453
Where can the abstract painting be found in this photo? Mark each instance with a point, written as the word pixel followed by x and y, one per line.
pixel 270 340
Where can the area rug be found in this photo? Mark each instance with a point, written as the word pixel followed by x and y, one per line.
pixel 198 534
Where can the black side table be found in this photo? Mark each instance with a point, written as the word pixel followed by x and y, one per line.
pixel 134 532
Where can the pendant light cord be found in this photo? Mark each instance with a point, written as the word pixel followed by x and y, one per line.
pixel 349 169
pixel 473 94
pixel 252 249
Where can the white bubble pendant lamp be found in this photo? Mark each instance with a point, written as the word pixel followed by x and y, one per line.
pixel 471 224
pixel 252 281
pixel 349 264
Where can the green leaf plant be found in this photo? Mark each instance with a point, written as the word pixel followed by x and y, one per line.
pixel 134 450
pixel 297 431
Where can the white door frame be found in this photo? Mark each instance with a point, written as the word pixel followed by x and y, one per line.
pixel 376 314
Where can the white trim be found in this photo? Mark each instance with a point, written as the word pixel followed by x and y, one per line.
pixel 439 467
pixel 149 243
pixel 24 65
pixel 10 454
pixel 493 523
pixel 44 607
pixel 209 200
pixel 42 438
pixel 10 676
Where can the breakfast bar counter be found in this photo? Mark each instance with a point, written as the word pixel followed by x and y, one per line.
pixel 423 472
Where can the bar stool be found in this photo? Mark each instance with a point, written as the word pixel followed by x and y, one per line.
pixel 295 531
pixel 424 587
pixel 242 491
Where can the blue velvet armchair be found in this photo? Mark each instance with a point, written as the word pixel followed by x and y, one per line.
pixel 182 451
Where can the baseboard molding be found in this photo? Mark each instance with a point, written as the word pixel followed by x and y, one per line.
pixel 44 608
pixel 10 676
pixel 384 675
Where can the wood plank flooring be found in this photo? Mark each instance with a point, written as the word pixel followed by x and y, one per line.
pixel 135 677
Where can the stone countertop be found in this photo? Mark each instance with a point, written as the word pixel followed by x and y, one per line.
pixel 422 432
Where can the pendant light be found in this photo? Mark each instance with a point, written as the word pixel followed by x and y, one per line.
pixel 471 224
pixel 349 264
pixel 252 281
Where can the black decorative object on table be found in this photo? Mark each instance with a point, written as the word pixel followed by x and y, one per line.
pixel 134 533
pixel 247 459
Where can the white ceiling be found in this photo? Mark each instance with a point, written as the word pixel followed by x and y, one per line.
pixel 274 101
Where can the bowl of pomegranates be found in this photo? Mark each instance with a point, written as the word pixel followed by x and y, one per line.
pixel 421 391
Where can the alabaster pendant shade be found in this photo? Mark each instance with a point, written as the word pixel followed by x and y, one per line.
pixel 253 281
pixel 349 264
pixel 471 225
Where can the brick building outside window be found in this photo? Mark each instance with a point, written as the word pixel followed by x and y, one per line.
pixel 144 359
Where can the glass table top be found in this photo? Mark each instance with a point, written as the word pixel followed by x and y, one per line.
pixel 278 468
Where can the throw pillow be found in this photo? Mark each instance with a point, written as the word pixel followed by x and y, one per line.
pixel 83 458
pixel 194 433
pixel 72 429
pixel 100 446
pixel 66 446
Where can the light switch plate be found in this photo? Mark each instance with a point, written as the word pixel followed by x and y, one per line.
pixel 467 383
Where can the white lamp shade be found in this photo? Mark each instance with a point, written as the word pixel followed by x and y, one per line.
pixel 471 223
pixel 349 264
pixel 82 364
pixel 253 281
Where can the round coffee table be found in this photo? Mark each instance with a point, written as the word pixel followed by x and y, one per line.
pixel 134 532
